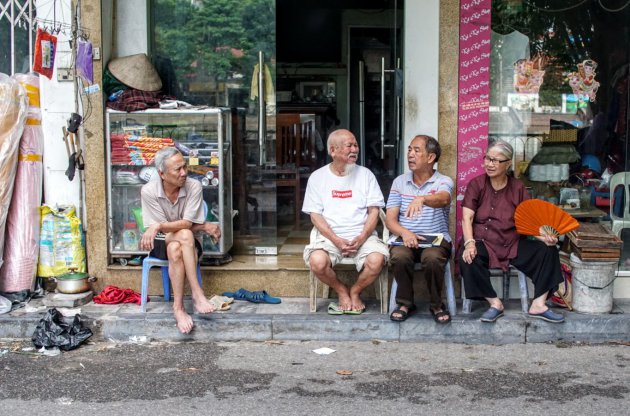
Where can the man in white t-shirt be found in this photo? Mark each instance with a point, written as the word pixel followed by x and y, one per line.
pixel 343 200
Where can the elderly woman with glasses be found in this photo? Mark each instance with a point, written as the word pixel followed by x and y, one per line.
pixel 491 241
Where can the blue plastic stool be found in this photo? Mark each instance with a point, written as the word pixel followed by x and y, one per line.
pixel 149 262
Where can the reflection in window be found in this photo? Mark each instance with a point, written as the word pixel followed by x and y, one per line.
pixel 559 94
pixel 205 50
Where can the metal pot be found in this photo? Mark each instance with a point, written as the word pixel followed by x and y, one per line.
pixel 73 282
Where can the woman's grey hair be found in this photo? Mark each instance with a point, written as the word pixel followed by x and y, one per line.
pixel 162 155
pixel 502 147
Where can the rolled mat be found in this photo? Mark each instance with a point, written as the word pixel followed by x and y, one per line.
pixel 13 110
pixel 21 247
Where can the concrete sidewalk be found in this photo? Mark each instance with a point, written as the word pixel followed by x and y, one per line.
pixel 291 320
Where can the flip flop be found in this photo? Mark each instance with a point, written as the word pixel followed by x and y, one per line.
pixel 219 303
pixel 491 315
pixel 549 316
pixel 262 296
pixel 240 294
pixel 334 309
pixel 225 299
pixel 354 311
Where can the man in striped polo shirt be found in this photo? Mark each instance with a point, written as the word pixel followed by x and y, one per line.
pixel 419 204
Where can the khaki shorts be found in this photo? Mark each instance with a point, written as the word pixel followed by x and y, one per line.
pixel 372 245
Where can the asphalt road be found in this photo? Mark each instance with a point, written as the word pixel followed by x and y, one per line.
pixel 278 378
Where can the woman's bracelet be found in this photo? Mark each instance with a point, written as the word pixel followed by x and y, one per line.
pixel 472 240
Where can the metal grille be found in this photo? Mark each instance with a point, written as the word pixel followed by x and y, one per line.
pixel 16 21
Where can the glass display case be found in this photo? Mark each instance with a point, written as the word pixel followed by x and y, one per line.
pixel 204 138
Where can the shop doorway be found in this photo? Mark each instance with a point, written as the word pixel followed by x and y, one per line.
pixel 289 70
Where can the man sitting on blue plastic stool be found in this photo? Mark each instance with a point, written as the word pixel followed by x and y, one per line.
pixel 172 212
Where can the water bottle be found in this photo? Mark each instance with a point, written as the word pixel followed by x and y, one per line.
pixel 130 237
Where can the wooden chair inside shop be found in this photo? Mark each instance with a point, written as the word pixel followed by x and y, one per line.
pixel 295 149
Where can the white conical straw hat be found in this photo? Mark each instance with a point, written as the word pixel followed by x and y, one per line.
pixel 136 71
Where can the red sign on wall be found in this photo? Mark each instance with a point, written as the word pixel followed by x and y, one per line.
pixel 474 95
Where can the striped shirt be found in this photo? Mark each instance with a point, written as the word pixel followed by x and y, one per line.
pixel 432 220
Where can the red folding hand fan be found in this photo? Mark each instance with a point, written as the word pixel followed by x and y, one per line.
pixel 537 217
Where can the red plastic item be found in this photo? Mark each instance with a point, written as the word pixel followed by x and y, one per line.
pixel 112 295
pixel 45 48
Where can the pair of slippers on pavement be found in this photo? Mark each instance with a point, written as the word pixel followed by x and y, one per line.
pixel 399 315
pixel 334 309
pixel 259 296
pixel 492 314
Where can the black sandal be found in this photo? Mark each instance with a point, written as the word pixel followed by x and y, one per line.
pixel 438 315
pixel 403 315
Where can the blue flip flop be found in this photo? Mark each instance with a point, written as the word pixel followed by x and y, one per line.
pixel 491 315
pixel 262 296
pixel 259 296
pixel 240 294
pixel 549 316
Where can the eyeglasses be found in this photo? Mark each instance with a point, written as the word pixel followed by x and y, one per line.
pixel 494 161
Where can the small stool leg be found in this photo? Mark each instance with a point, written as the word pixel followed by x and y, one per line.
pixel 450 290
pixel 522 284
pixel 506 286
pixel 466 303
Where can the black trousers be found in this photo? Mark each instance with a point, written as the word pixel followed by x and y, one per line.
pixel 538 261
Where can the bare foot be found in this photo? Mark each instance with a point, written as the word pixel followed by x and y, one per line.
pixel 203 305
pixel 184 321
pixel 357 303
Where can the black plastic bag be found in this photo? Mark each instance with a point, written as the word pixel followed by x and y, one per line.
pixel 52 331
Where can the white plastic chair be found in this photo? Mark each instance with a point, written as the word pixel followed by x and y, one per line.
pixel 448 284
pixel 381 280
pixel 150 262
pixel 619 223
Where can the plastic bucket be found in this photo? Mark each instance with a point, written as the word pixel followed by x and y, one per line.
pixel 592 285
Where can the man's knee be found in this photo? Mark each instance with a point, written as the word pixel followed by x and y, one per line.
pixel 374 262
pixel 185 237
pixel 400 255
pixel 319 261
pixel 174 251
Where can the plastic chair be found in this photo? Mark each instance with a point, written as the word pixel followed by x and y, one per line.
pixel 522 285
pixel 448 284
pixel 619 223
pixel 150 262
pixel 382 280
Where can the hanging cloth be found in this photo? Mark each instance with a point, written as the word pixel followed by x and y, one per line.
pixel 270 94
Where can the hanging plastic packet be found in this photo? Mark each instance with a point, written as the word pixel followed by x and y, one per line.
pixel 45 49
pixel 84 60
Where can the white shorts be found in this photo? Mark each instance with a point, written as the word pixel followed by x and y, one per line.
pixel 372 245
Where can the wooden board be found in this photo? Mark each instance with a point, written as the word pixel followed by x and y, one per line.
pixel 594 235
pixel 593 230
pixel 599 255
